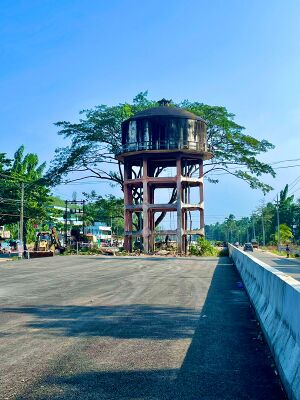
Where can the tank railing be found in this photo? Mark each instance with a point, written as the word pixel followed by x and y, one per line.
pixel 163 145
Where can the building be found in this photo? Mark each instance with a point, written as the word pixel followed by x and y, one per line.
pixel 100 231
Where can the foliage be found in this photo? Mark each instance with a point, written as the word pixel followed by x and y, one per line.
pixel 234 151
pixel 96 139
pixel 23 168
pixel 108 209
pixel 203 248
pixel 244 229
pixel 56 201
pixel 286 234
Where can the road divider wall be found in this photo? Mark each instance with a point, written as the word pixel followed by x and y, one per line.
pixel 276 299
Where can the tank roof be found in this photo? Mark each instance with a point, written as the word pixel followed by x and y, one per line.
pixel 166 111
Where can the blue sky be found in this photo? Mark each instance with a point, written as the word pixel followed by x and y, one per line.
pixel 58 57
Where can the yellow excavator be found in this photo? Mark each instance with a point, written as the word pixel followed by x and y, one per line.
pixel 46 243
pixel 42 242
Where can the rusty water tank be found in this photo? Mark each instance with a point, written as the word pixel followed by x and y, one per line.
pixel 164 128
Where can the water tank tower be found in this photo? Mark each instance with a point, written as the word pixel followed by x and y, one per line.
pixel 164 138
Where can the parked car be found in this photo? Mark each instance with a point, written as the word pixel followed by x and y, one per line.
pixel 248 247
pixel 5 248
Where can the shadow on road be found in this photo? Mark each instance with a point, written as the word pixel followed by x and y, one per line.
pixel 127 322
pixel 227 359
pixel 286 261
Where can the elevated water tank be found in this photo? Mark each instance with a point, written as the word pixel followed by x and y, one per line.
pixel 164 128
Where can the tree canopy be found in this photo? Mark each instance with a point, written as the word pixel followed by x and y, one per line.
pixel 96 138
pixel 262 224
pixel 286 234
pixel 108 209
pixel 23 168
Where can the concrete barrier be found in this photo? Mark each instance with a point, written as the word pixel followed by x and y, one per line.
pixel 276 299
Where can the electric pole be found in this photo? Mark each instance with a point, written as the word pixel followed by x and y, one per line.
pixel 253 226
pixel 22 217
pixel 278 224
pixel 111 232
pixel 66 222
pixel 263 228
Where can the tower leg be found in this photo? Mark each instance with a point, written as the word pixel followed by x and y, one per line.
pixel 201 195
pixel 127 214
pixel 145 207
pixel 179 208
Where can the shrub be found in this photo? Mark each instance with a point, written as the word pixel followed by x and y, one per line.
pixel 203 248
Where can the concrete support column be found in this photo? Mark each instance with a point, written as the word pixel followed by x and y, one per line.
pixel 179 210
pixel 151 216
pixel 201 193
pixel 145 206
pixel 127 214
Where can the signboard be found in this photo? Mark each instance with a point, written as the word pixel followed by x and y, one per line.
pixel 4 234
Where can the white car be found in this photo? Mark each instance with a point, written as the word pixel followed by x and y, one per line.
pixel 5 248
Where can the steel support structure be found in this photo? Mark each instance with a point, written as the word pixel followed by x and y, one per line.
pixel 145 182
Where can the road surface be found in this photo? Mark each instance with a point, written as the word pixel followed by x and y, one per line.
pixel 290 266
pixel 91 327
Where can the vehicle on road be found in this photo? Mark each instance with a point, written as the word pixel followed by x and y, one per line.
pixel 5 248
pixel 248 247
pixel 254 243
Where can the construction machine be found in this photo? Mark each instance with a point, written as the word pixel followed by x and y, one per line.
pixel 46 243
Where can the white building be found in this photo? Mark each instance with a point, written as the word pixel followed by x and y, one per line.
pixel 101 232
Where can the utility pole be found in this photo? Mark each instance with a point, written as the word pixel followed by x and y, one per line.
pixel 83 216
pixel 111 232
pixel 21 233
pixel 66 223
pixel 263 227
pixel 278 224
pixel 253 226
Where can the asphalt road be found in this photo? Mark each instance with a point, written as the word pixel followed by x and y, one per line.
pixel 290 266
pixel 130 328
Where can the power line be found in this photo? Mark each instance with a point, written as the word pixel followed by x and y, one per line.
pixel 288 166
pixel 279 162
pixel 294 183
pixel 12 215
pixel 294 191
pixel 83 183
pixel 225 173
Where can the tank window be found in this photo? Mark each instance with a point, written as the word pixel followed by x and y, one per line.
pixel 191 131
pixel 146 132
pixel 132 132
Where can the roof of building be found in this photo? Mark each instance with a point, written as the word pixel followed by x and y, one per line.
pixel 166 111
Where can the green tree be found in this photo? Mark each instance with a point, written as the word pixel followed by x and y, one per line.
pixel 108 209
pixel 230 223
pixel 286 234
pixel 24 168
pixel 96 139
pixel 286 206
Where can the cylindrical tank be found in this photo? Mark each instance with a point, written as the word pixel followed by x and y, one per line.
pixel 164 128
